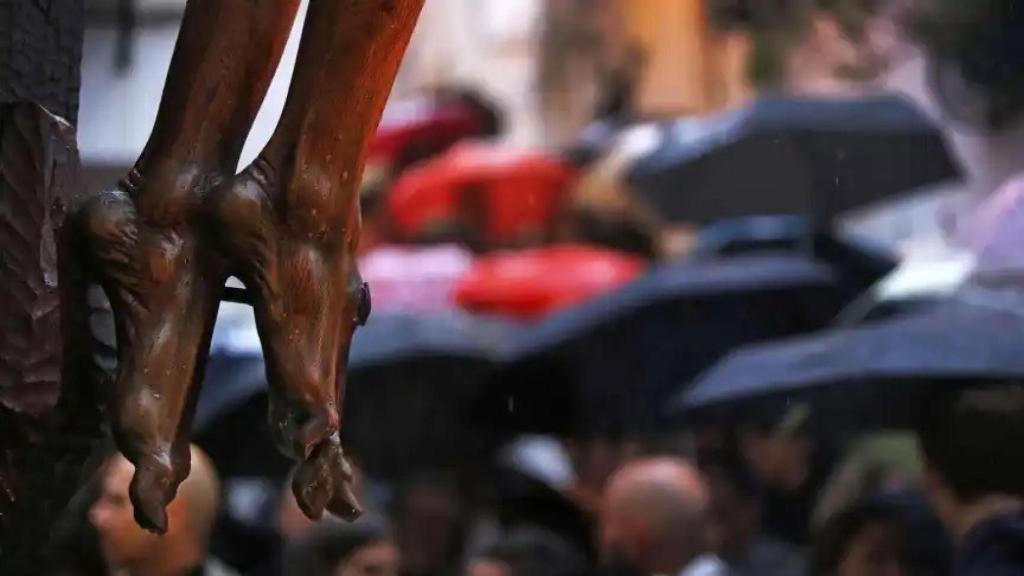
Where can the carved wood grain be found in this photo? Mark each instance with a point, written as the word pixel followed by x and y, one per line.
pixel 36 160
pixel 49 409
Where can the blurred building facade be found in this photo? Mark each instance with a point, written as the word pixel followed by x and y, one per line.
pixel 547 64
pixel 542 61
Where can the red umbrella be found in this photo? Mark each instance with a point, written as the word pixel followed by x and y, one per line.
pixel 531 283
pixel 424 127
pixel 505 193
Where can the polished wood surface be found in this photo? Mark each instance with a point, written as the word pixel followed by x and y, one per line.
pixel 182 222
pixel 290 225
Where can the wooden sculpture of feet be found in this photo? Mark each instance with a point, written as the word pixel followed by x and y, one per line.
pixel 182 222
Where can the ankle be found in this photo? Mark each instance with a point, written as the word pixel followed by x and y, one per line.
pixel 165 193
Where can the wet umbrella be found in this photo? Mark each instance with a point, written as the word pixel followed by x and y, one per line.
pixel 783 155
pixel 858 263
pixel 230 422
pixel 871 374
pixel 412 383
pixel 392 338
pixel 410 379
pixel 610 363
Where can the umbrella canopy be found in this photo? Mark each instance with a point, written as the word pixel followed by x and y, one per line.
pixel 410 383
pixel 859 264
pixel 389 339
pixel 503 193
pixel 688 282
pixel 784 155
pixel 611 362
pixel 533 283
pixel 873 373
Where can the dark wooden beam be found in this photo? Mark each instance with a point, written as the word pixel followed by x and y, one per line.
pixel 50 412
pixel 41 53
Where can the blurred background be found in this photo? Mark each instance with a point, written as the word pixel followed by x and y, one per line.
pixel 730 233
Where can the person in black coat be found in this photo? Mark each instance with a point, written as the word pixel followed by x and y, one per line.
pixel 892 533
pixel 973 442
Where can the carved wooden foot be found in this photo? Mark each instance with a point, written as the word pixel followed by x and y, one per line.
pixel 290 223
pixel 308 297
pixel 147 240
pixel 163 245
pixel 164 287
pixel 324 482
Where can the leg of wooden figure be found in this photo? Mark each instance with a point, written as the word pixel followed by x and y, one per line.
pixel 291 225
pixel 148 239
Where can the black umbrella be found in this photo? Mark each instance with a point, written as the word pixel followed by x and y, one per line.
pixel 410 379
pixel 858 264
pixel 783 155
pixel 871 374
pixel 389 339
pixel 413 380
pixel 609 364
pixel 230 422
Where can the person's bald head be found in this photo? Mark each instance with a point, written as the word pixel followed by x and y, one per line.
pixel 200 495
pixel 191 515
pixel 653 514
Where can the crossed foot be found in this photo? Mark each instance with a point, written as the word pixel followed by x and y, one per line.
pixel 163 246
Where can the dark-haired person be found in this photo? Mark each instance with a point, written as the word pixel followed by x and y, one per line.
pixel 973 442
pixel 365 548
pixel 430 520
pixel 529 552
pixel 791 464
pixel 882 535
pixel 734 522
pixel 973 69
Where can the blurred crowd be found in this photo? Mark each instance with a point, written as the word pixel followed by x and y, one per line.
pixel 769 508
pixel 593 439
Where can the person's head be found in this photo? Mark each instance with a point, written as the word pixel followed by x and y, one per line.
pixel 529 552
pixel 883 535
pixel 735 513
pixel 429 523
pixel 876 463
pixel 190 515
pixel 971 440
pixel 596 456
pixel 653 514
pixel 815 46
pixel 365 548
pixel 779 453
pixel 975 57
